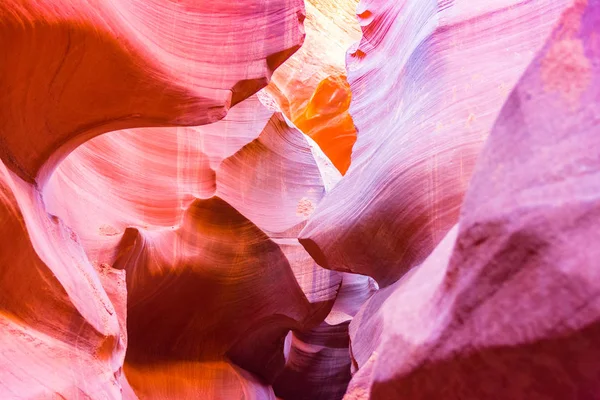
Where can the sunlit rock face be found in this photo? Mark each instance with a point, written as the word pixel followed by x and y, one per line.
pixel 75 70
pixel 326 119
pixel 145 177
pixel 428 80
pixel 299 200
pixel 207 236
pixel 311 87
pixel 61 334
pixel 506 306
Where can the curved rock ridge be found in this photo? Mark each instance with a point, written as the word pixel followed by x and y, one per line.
pixel 319 365
pixel 326 120
pixel 193 291
pixel 398 319
pixel 311 87
pixel 199 380
pixel 279 167
pixel 204 222
pixel 145 177
pixel 428 80
pixel 75 70
pixel 60 332
pixel 507 304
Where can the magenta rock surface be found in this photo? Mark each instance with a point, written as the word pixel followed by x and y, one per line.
pixel 175 226
pixel 507 306
pixel 145 177
pixel 319 364
pixel 422 117
pixel 55 316
pixel 204 222
pixel 75 70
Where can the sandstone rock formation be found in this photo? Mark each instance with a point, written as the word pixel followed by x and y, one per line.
pixel 311 87
pixel 91 67
pixel 72 71
pixel 213 268
pixel 319 364
pixel 420 130
pixel 506 307
pixel 198 203
pixel 60 334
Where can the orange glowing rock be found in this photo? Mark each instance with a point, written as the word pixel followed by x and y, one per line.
pixel 325 118
pixel 311 88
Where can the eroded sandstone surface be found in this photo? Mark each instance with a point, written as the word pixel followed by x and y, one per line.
pixel 287 199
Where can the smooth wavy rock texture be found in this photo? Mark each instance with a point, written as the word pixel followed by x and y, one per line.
pixel 506 306
pixel 71 71
pixel 299 200
pixel 145 177
pixel 208 242
pixel 60 331
pixel 90 67
pixel 422 117
pixel 311 87
pixel 319 362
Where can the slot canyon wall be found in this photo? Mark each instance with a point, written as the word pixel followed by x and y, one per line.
pixel 300 199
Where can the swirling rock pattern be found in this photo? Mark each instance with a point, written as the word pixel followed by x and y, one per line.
pixel 165 208
pixel 422 117
pixel 91 67
pixel 311 87
pixel 319 363
pixel 507 304
pixel 60 331
pixel 207 242
pixel 145 177
pixel 72 71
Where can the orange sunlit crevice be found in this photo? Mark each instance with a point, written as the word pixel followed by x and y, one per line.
pixel 325 118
